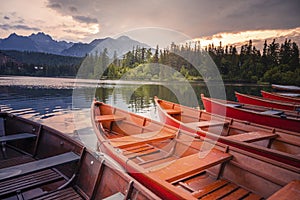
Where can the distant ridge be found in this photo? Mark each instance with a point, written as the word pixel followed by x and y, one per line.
pixel 44 43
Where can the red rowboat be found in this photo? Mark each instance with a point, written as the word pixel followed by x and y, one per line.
pixel 269 95
pixel 273 143
pixel 259 101
pixel 283 119
pixel 176 164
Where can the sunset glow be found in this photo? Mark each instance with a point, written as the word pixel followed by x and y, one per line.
pixel 244 36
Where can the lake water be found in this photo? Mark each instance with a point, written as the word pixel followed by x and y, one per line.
pixel 64 103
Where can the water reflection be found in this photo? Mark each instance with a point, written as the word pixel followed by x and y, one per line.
pixel 49 100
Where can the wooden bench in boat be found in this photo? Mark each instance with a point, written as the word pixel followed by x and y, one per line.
pixel 204 124
pixel 191 164
pixel 102 118
pixel 7 138
pixel 253 136
pixel 290 191
pixel 37 165
pixel 173 111
pixel 137 139
pixel 12 137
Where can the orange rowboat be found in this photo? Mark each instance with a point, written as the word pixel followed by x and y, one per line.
pixel 176 164
pixel 281 145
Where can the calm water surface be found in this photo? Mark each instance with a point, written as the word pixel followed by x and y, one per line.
pixel 64 103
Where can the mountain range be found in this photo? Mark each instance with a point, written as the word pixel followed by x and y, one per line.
pixel 42 42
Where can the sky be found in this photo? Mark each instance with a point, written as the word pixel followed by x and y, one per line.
pixel 229 21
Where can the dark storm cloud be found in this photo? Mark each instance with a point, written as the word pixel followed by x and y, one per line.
pixel 193 17
pixel 17 27
pixel 85 19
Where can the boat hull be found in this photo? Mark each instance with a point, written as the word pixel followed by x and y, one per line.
pixel 278 97
pixel 248 99
pixel 237 113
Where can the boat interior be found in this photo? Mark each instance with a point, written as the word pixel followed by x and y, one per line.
pixel 187 163
pixel 37 162
pixel 202 121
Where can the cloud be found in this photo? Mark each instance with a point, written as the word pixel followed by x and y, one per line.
pixel 192 17
pixel 18 27
pixel 85 19
pixel 73 9
pixel 5 17
pixel 257 36
pixel 54 5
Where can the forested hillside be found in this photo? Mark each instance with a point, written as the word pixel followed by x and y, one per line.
pixel 37 64
pixel 275 63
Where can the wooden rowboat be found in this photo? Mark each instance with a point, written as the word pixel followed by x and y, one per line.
pixel 37 162
pixel 259 101
pixel 179 165
pixel 283 119
pixel 281 145
pixel 269 95
pixel 288 88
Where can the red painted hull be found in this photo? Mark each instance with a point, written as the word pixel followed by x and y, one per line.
pixel 215 106
pixel 278 97
pixel 258 101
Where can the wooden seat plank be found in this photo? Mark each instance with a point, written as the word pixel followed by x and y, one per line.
pixel 222 192
pixel 191 164
pixel 210 188
pixel 290 191
pixel 253 136
pixel 16 161
pixel 68 193
pixel 203 124
pixel 102 118
pixel 37 165
pixel 137 149
pixel 238 194
pixel 127 141
pixel 252 196
pixel 28 181
pixel 19 136
pixel 173 111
